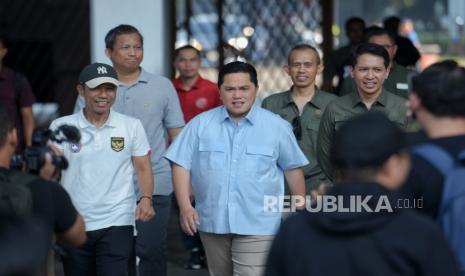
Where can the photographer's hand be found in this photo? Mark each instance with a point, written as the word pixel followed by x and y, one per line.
pixel 48 170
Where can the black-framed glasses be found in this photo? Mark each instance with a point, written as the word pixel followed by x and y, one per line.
pixel 297 127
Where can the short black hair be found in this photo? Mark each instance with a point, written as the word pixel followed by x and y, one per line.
pixel 110 38
pixel 304 46
pixel 441 89
pixel 378 31
pixel 6 125
pixel 392 23
pixel 238 67
pixel 354 20
pixel 370 48
pixel 365 142
pixel 185 47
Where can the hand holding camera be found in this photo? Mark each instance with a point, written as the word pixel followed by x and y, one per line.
pixel 42 158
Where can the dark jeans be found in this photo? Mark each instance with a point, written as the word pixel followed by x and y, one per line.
pixel 151 239
pixel 105 253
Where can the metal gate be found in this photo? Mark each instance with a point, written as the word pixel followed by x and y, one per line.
pixel 260 32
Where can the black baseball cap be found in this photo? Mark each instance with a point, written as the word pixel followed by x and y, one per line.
pixel 366 141
pixel 96 74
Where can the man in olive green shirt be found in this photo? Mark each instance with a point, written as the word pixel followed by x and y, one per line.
pixel 369 69
pixel 398 79
pixel 302 106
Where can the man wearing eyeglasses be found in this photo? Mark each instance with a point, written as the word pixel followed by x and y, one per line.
pixel 397 80
pixel 302 106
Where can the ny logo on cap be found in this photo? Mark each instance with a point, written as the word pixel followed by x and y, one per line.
pixel 102 70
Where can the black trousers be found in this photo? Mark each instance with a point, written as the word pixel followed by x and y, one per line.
pixel 105 253
pixel 151 239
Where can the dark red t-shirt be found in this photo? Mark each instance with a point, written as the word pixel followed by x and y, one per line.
pixel 13 104
pixel 203 96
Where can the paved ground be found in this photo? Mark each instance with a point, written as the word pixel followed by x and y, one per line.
pixel 176 254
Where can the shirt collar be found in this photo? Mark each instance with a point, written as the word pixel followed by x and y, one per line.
pixel 316 100
pixel 288 98
pixel 250 117
pixel 355 99
pixel 83 123
pixel 252 114
pixel 179 85
pixel 143 77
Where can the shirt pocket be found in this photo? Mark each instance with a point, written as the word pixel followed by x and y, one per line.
pixel 211 156
pixel 308 145
pixel 258 158
pixel 339 121
pixel 313 125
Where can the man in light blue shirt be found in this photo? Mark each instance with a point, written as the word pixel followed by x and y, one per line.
pixel 234 156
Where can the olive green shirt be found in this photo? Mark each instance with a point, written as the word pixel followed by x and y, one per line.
pixel 283 105
pixel 397 82
pixel 346 107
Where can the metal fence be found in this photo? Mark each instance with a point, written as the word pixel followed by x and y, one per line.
pixel 260 32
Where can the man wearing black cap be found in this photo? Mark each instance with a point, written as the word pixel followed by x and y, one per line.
pixel 100 176
pixel 368 233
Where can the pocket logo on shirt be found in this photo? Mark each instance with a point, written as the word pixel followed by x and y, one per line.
pixel 75 148
pixel 201 103
pixel 117 143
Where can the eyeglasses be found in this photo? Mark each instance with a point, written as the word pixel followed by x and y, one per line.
pixel 297 128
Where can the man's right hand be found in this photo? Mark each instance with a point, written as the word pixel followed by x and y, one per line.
pixel 49 170
pixel 189 219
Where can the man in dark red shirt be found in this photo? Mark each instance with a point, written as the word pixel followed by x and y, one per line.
pixel 17 98
pixel 196 94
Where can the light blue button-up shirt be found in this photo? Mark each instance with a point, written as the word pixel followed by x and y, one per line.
pixel 234 165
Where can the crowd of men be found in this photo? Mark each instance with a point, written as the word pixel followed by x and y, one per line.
pixel 144 137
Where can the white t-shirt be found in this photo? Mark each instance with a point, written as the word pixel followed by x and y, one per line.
pixel 99 178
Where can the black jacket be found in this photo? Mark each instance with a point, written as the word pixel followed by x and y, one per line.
pixel 360 243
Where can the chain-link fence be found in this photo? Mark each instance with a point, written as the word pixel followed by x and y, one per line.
pixel 260 32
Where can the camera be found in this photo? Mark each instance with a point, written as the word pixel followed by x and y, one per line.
pixel 33 157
